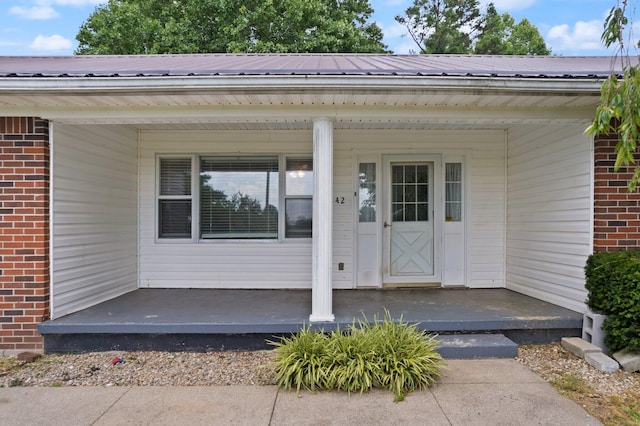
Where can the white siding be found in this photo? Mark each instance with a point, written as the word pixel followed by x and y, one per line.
pixel 217 264
pixel 549 210
pixel 94 215
pixel 271 264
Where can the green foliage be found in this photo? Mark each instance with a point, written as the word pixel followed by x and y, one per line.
pixel 437 26
pixel 383 354
pixel 233 26
pixel 619 109
pixel 457 26
pixel 613 282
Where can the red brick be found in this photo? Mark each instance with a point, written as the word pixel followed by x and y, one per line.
pixel 24 239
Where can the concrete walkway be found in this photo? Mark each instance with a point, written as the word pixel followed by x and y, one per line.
pixel 473 392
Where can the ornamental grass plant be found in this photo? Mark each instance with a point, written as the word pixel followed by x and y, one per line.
pixel 385 354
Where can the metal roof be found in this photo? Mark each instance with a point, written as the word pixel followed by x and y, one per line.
pixel 563 67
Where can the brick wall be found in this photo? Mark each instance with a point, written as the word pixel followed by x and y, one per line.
pixel 24 232
pixel 617 212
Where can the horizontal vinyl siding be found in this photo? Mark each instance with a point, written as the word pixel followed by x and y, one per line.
pixel 94 215
pixel 549 213
pixel 218 264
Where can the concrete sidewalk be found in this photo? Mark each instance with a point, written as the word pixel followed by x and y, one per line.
pixel 472 392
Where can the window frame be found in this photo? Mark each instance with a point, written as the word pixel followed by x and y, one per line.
pixel 195 199
pixel 159 197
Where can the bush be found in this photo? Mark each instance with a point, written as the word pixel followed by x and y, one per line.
pixel 384 354
pixel 613 283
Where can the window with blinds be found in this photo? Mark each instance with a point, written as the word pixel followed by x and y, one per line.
pixel 239 197
pixel 235 197
pixel 298 198
pixel 174 200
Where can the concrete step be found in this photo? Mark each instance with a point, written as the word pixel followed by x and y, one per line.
pixel 469 346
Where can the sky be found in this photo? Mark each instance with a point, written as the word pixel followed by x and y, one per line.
pixel 49 27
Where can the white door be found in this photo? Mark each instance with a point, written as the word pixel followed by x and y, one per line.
pixel 410 233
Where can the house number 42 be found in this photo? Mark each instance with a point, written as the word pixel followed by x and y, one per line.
pixel 339 200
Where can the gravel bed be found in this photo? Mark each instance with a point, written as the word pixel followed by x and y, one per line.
pixel 255 368
pixel 145 369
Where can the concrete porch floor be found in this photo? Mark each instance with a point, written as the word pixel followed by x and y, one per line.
pixel 145 318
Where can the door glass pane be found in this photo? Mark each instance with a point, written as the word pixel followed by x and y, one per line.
pixel 367 192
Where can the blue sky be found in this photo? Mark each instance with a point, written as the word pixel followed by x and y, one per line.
pixel 49 27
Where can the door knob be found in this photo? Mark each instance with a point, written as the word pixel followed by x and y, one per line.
pixel 387 225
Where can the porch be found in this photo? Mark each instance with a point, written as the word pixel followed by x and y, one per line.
pixel 200 319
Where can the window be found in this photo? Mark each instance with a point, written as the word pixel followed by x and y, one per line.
pixel 237 197
pixel 453 189
pixel 367 192
pixel 298 198
pixel 174 201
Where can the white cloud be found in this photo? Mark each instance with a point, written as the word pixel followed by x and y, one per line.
pixel 54 42
pixel 394 30
pixel 71 2
pixel 393 2
pixel 34 13
pixel 583 36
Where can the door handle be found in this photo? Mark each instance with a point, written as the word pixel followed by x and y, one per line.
pixel 387 225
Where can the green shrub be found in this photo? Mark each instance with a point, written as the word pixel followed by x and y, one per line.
pixel 613 283
pixel 384 354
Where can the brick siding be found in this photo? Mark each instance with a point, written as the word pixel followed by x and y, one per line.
pixel 617 212
pixel 24 232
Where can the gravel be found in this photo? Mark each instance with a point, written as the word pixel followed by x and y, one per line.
pixel 253 368
pixel 144 369
pixel 552 362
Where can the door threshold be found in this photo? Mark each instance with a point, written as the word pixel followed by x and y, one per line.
pixel 411 285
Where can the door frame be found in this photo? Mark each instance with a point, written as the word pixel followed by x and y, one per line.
pixel 437 219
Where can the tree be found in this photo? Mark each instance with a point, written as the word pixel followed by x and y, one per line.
pixel 438 26
pixel 500 35
pixel 619 109
pixel 233 26
pixel 457 26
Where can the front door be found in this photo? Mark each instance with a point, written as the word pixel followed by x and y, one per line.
pixel 410 233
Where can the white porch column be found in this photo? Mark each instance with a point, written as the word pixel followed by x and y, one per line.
pixel 321 285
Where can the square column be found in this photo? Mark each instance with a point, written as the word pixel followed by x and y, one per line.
pixel 321 283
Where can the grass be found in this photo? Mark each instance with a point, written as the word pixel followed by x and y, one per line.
pixel 616 410
pixel 7 364
pixel 385 354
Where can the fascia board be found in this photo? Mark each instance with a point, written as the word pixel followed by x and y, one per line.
pixel 260 84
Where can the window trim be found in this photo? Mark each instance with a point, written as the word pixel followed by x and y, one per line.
pixel 195 199
pixel 158 197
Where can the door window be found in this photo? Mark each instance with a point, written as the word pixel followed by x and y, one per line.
pixel 410 192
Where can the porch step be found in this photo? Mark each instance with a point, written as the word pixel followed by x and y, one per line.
pixel 469 346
